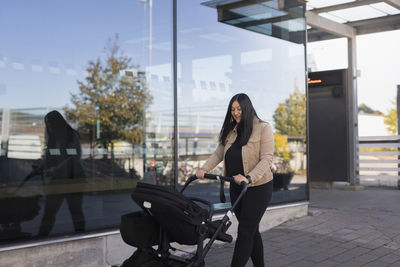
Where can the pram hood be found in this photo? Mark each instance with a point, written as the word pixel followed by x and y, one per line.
pixel 176 213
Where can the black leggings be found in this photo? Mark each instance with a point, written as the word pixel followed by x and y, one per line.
pixel 249 212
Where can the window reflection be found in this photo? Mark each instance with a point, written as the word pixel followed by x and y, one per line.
pixel 110 85
pixel 232 51
pixel 61 162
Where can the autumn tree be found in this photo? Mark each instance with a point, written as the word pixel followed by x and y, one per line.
pixel 290 116
pixel 390 120
pixel 368 110
pixel 112 99
pixel 282 147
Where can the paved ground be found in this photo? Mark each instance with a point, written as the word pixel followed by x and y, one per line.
pixel 344 228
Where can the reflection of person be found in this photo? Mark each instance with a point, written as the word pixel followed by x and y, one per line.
pixel 61 161
pixel 246 146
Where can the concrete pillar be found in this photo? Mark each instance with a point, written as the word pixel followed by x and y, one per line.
pixel 352 109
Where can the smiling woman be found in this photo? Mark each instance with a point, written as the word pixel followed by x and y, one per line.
pixel 236 111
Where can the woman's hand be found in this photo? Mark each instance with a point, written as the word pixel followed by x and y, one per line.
pixel 200 173
pixel 240 178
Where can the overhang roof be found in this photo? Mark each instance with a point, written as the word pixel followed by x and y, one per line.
pixel 327 19
pixel 348 18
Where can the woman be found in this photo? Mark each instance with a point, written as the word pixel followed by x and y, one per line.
pixel 246 146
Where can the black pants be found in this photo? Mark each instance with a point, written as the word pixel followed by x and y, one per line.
pixel 249 212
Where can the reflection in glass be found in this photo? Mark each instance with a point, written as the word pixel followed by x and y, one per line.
pixel 109 110
pixel 241 46
pixel 61 161
pixel 111 81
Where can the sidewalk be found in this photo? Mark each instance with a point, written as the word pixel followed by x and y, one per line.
pixel 344 228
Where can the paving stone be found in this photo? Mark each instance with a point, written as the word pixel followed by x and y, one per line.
pixel 395 264
pixel 365 258
pixel 390 258
pixel 341 258
pixel 381 251
pixel 302 263
pixel 348 245
pixel 376 263
pixel 326 263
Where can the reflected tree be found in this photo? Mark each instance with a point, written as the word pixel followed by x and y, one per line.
pixel 290 116
pixel 289 119
pixel 112 100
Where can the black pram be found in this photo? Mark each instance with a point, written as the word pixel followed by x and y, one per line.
pixel 169 216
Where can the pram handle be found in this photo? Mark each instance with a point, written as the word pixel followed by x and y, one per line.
pixel 226 178
pixel 214 177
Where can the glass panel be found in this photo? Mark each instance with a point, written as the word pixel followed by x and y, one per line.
pixel 385 8
pixel 327 55
pixel 280 19
pixel 332 17
pixel 357 13
pixel 218 60
pixel 325 3
pixel 86 112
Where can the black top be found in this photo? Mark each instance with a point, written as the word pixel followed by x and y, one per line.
pixel 233 159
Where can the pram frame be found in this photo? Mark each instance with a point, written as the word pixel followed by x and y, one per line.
pixel 163 250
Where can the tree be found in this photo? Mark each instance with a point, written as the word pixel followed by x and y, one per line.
pixel 390 120
pixel 290 116
pixel 116 103
pixel 282 147
pixel 368 110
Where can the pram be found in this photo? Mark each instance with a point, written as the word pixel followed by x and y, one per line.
pixel 169 216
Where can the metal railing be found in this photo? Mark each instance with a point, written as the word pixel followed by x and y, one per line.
pixel 379 160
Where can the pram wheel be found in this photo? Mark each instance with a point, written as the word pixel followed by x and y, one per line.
pixel 140 258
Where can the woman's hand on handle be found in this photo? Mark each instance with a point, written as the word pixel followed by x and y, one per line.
pixel 200 173
pixel 240 178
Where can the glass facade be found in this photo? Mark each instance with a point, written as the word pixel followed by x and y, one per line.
pixel 87 103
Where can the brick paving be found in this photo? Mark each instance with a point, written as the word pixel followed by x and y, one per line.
pixel 343 228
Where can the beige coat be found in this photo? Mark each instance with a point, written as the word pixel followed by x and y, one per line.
pixel 256 154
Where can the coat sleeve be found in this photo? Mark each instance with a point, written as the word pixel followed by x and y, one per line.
pixel 215 159
pixel 266 153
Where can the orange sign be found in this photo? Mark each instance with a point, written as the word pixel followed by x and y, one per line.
pixel 313 81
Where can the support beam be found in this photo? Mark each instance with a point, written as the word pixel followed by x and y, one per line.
pixel 327 25
pixel 380 24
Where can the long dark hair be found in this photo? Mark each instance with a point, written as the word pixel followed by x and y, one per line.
pixel 245 126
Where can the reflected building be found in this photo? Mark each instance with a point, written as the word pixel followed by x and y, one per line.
pixel 121 101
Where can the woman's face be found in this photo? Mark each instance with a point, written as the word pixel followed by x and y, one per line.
pixel 236 111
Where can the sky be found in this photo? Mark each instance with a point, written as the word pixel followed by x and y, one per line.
pixel 378 63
